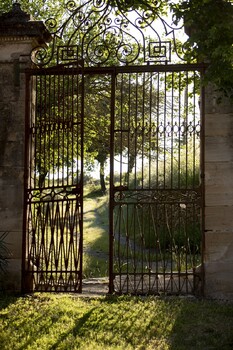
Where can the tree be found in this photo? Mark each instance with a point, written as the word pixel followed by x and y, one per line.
pixel 210 27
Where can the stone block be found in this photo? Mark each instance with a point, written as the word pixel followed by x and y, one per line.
pixel 219 197
pixel 218 247
pixel 14 154
pixel 219 183
pixel 11 281
pixel 219 280
pixel 215 102
pixel 13 241
pixel 219 125
pixel 10 223
pixel 219 218
pixel 217 173
pixel 219 149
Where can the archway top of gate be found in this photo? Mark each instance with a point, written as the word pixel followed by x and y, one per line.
pixel 99 33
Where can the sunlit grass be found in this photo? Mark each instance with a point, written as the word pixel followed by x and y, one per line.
pixel 50 321
pixel 95 234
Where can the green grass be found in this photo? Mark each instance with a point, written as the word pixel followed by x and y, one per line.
pixel 95 234
pixel 50 321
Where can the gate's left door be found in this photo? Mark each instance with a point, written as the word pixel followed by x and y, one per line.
pixel 53 222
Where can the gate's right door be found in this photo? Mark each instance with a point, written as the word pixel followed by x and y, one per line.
pixel 156 195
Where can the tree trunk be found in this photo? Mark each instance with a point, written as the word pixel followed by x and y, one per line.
pixel 102 178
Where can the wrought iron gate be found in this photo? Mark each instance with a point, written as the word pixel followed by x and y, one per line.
pixel 156 194
pixel 155 117
pixel 54 189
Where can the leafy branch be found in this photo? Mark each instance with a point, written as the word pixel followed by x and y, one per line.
pixel 209 24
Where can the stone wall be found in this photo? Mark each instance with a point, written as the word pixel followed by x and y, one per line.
pixel 18 36
pixel 12 101
pixel 218 254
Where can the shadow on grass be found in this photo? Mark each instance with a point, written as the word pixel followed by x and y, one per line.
pixel 75 331
pixel 202 324
pixel 7 299
pixel 94 194
pixel 67 322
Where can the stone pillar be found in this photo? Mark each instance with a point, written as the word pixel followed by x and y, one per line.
pixel 218 254
pixel 18 37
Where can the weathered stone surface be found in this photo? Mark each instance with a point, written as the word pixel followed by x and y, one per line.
pixel 18 23
pixel 219 149
pixel 12 280
pixel 218 280
pixel 219 218
pixel 218 254
pixel 219 246
pixel 216 103
pixel 18 37
pixel 15 250
pixel 219 183
pixel 217 124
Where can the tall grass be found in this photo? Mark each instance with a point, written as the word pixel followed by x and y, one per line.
pixel 171 212
pixel 162 213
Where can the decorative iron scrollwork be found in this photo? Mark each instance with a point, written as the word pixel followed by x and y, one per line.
pixel 103 33
pixel 170 129
pixel 178 197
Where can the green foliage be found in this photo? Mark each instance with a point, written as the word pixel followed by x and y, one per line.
pixel 160 7
pixel 209 24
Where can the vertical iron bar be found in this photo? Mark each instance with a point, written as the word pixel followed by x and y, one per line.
pixel 136 132
pixel 143 127
pixel 129 126
pixel 150 210
pixel 81 177
pixel 111 190
pixel 186 104
pixel 164 130
pixel 172 132
pixel 202 175
pixel 151 78
pixel 180 130
pixel 25 240
pixel 157 130
pixel 72 129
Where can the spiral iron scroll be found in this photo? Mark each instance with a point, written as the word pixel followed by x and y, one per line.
pixel 100 34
